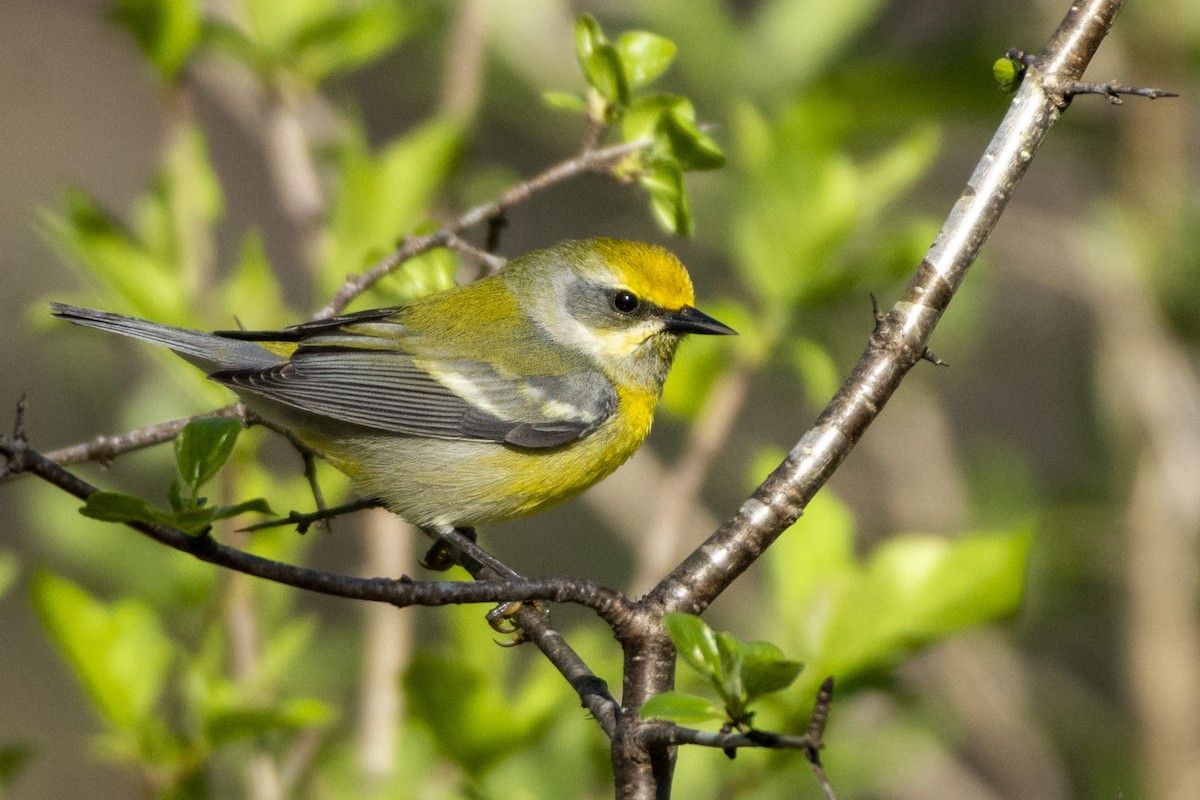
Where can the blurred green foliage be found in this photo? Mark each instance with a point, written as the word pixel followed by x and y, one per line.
pixel 820 159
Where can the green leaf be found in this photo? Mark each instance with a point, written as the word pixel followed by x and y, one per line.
pixel 681 707
pixel 193 521
pixel 232 41
pixel 641 120
pixel 765 669
pixel 690 146
pixel 258 506
pixel 789 43
pixel 668 198
pixel 166 30
pixel 202 447
pixel 568 101
pixel 644 56
pixel 800 166
pixel 86 235
pixel 175 496
pixel 606 75
pixel 731 684
pixel 588 36
pixel 120 507
pixel 739 671
pixel 853 619
pixel 175 219
pixel 960 582
pixel 118 651
pixel 695 642
pixel 170 237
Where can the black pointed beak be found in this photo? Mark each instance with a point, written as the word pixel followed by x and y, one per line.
pixel 690 320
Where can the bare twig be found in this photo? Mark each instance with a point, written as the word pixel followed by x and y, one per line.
pixel 611 606
pixel 491 262
pixel 305 520
pixel 1112 90
pixel 811 741
pixel 403 592
pixel 105 448
pixel 587 161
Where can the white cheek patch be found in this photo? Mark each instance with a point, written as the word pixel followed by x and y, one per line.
pixel 612 343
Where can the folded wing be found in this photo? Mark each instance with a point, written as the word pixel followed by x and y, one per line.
pixel 389 390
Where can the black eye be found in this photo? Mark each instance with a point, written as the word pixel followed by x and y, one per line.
pixel 625 301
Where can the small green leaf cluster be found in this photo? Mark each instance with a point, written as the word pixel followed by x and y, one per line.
pixel 740 672
pixel 308 40
pixel 201 448
pixel 125 661
pixel 615 71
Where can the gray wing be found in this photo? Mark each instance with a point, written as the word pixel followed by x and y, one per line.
pixel 389 391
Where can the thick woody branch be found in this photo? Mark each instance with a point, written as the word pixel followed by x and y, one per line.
pixel 900 338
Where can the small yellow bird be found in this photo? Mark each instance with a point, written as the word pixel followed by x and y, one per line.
pixel 475 405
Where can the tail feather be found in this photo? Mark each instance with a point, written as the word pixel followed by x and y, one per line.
pixel 207 351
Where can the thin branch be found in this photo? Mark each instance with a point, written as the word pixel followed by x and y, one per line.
pixel 611 606
pixel 402 592
pixel 492 262
pixel 586 161
pixel 811 742
pixel 902 335
pixel 303 520
pixel 1111 90
pixel 107 447
pixel 673 735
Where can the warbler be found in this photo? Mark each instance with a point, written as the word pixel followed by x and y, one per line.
pixel 475 405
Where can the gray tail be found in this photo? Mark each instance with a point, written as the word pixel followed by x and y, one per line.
pixel 207 351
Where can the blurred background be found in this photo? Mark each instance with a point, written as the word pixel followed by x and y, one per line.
pixel 1067 421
